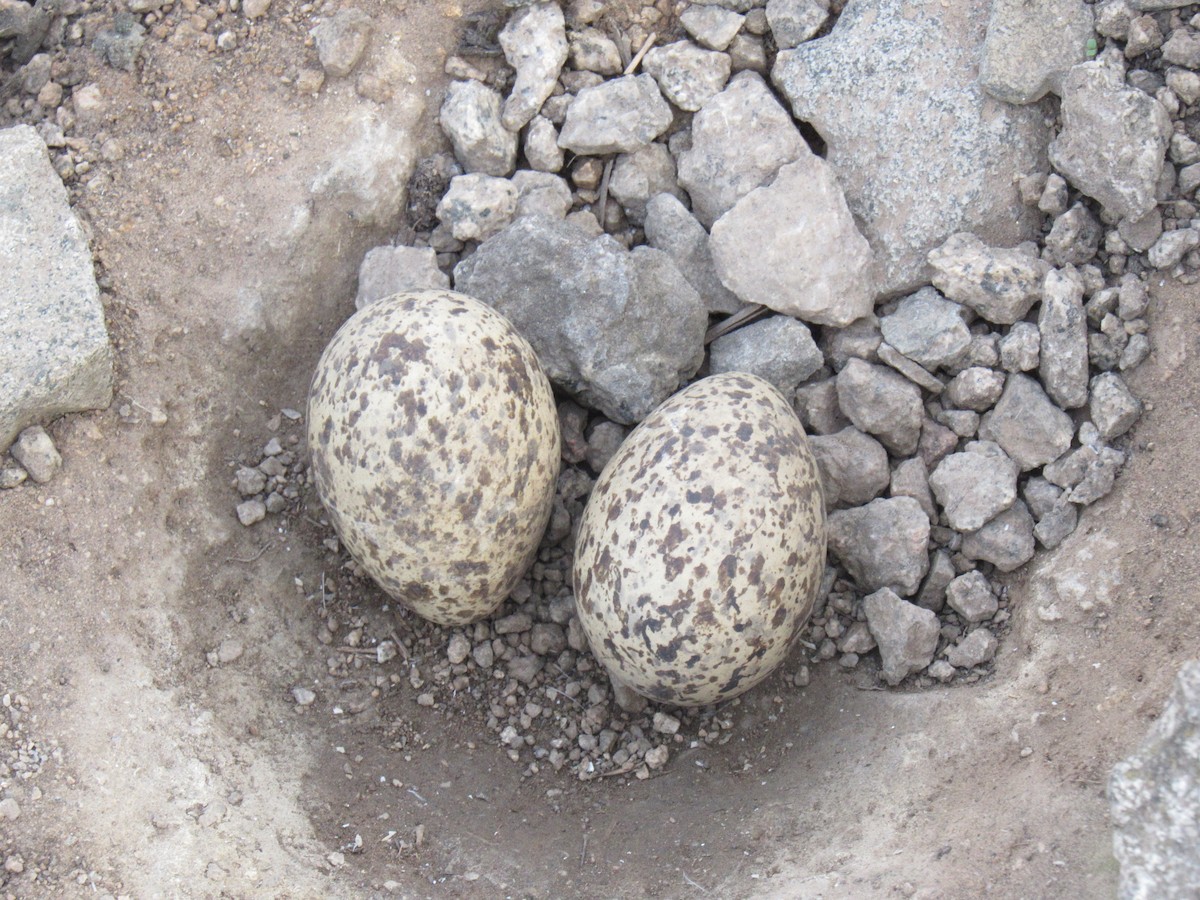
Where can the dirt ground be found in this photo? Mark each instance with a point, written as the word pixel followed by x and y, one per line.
pixel 144 771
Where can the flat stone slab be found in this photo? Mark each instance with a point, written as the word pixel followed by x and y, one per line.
pixel 921 151
pixel 55 357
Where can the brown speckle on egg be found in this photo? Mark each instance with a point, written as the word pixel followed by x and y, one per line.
pixel 435 448
pixel 702 547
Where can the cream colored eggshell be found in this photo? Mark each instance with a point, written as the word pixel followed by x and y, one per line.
pixel 702 546
pixel 435 448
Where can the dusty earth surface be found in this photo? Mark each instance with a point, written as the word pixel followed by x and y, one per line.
pixel 142 770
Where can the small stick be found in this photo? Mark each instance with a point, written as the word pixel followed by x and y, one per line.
pixel 238 559
pixel 692 883
pixel 646 45
pixel 400 648
pixel 624 770
pixel 583 852
pixel 743 316
pixel 602 205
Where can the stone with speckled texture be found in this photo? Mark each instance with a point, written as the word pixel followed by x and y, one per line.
pixel 435 449
pixel 702 547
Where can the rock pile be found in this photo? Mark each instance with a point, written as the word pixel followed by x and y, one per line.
pixel 955 343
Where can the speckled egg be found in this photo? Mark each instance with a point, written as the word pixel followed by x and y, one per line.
pixel 435 449
pixel 702 547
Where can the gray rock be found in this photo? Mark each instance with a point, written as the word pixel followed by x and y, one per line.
pixel 794 247
pixel 34 449
pixel 1057 524
pixel 525 669
pixel 1144 35
pixel 1182 49
pixel 250 481
pixel 748 53
pixel 1062 327
pixel 1154 798
pixel 1027 424
pixel 936 442
pixel 251 512
pixel 933 590
pixel 470 117
pixel 854 467
pixel 975 649
pixel 866 85
pixel 1099 474
pixel 860 339
pixel 534 41
pixel 638 176
pixel 1074 238
pixel 547 639
pixel 477 206
pixel 121 44
pixel 11 476
pixel 740 138
pixel 907 634
pixel 795 21
pixel 928 329
pixel 56 354
pixel 1006 541
pixel 1113 18
pixel 1030 47
pixel 1133 299
pixel 975 388
pixel 975 486
pixel 1119 167
pixel 618 116
pixel 883 403
pixel 962 422
pixel 593 51
pixel 1068 470
pixel 1000 284
pixel 618 330
pixel 388 270
pixel 1141 234
pixel 971 596
pixel 917 374
pixel 671 228
pixel 1019 349
pixel 1135 352
pixel 541 193
pixel 1113 407
pixel 342 40
pixel 817 406
pixel 779 349
pixel 1169 249
pixel 603 442
pixel 1055 196
pixel 882 544
pixel 686 74
pixel 911 479
pixel 741 6
pixel 712 26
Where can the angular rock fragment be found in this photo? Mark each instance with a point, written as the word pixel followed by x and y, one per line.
pixel 740 138
pixel 671 228
pixel 477 206
pixel 883 403
pixel 882 544
pixel 854 467
pixel 928 329
pixel 1063 339
pixel 906 634
pixel 1119 167
pixel 617 116
pixel 686 74
pixel 1112 405
pixel 793 246
pixel 1030 47
pixel 975 486
pixel 1001 285
pixel 975 649
pixel 712 26
pixel 1027 424
pixel 971 596
pixel 534 41
pixel 470 116
pixel 779 349
pixel 388 270
pixel 1006 541
pixel 618 330
pixel 638 176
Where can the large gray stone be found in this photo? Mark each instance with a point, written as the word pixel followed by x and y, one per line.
pixel 795 21
pixel 617 116
pixel 1113 407
pixel 1074 237
pixel 477 206
pixel 882 402
pixel 1027 424
pixel 928 329
pixel 794 247
pixel 853 465
pixel 618 330
pixel 976 485
pixel 921 151
pixel 1030 47
pixel 740 138
pixel 470 117
pixel 779 349
pixel 534 41
pixel 1062 325
pixel 671 228
pixel 686 74
pixel 1000 284
pixel 907 634
pixel 388 270
pixel 1154 797
pixel 1006 541
pixel 55 356
pixel 1118 166
pixel 882 544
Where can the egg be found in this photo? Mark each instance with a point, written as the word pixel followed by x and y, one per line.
pixel 435 450
pixel 702 547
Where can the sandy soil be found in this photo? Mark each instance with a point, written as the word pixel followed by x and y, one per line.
pixel 144 771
